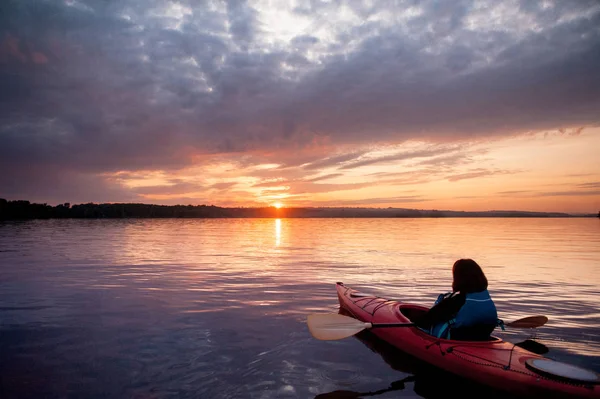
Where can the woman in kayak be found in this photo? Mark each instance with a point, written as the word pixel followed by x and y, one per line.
pixel 468 312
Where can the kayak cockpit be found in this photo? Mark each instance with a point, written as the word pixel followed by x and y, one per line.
pixel 414 312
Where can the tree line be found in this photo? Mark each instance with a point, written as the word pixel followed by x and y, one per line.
pixel 20 209
pixel 24 210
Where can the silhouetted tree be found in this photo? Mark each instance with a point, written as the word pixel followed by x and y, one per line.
pixel 20 209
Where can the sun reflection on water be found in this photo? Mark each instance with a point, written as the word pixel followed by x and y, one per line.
pixel 277 232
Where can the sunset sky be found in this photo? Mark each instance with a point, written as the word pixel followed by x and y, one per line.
pixel 462 105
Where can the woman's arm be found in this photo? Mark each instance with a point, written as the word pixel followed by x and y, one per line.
pixel 443 311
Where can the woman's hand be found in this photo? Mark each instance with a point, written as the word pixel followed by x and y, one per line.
pixel 441 297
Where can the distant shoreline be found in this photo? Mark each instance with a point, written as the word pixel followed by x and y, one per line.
pixel 24 210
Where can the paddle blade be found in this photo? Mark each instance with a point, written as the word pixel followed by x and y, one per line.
pixel 529 322
pixel 328 327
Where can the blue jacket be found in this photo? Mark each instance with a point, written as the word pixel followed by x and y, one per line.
pixel 476 319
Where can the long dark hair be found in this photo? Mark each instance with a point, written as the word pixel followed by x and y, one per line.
pixel 468 277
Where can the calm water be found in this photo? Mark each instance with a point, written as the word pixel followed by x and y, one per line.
pixel 216 308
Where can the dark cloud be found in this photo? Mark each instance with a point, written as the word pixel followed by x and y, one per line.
pixel 304 41
pixel 242 21
pixel 53 185
pixel 94 87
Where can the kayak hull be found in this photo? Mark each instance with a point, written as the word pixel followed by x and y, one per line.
pixel 494 363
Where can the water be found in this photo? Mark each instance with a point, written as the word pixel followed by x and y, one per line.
pixel 216 308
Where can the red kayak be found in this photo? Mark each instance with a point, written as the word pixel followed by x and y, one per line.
pixel 494 363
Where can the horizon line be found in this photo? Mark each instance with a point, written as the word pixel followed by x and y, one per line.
pixel 591 213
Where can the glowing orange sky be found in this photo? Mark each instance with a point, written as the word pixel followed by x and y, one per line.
pixel 549 171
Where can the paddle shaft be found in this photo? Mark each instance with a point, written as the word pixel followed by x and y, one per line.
pixel 527 322
pixel 392 325
pixel 329 327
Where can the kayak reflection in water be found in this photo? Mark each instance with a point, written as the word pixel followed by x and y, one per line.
pixel 344 394
pixel 424 380
pixel 466 313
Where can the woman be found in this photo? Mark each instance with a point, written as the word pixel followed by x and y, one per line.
pixel 467 313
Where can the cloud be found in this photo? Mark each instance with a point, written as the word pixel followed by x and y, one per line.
pixel 561 193
pixel 324 177
pixel 311 188
pixel 372 201
pixel 92 88
pixel 513 192
pixel 271 183
pixel 448 160
pixel 333 161
pixel 175 189
pixel 55 186
pixel 399 157
pixel 595 184
pixel 571 193
pixel 479 172
pixel 224 185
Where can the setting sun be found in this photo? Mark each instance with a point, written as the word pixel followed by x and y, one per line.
pixel 278 205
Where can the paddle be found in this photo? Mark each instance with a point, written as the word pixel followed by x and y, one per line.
pixel 328 327
pixel 529 322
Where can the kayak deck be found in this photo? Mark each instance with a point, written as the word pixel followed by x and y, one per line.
pixel 493 362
